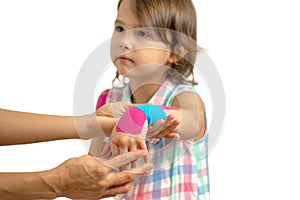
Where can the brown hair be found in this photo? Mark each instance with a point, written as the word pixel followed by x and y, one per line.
pixel 176 15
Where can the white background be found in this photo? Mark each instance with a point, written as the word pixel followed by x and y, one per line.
pixel 254 44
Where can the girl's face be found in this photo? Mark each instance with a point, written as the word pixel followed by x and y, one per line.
pixel 133 46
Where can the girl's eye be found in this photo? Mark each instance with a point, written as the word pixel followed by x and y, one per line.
pixel 142 33
pixel 119 29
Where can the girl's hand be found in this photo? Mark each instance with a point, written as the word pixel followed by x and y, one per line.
pixel 165 128
pixel 122 143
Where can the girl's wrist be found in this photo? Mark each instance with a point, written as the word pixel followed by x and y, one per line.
pixel 106 125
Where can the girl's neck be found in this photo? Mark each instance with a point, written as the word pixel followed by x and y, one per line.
pixel 143 90
pixel 144 93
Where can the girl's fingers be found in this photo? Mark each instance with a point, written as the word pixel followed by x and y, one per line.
pixel 169 120
pixel 172 136
pixel 133 148
pixel 156 128
pixel 142 145
pixel 169 130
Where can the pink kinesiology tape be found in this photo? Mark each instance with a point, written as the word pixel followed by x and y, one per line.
pixel 133 119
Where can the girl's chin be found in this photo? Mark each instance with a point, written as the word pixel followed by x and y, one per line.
pixel 125 72
pixel 122 73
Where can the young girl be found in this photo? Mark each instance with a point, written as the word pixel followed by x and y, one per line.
pixel 153 45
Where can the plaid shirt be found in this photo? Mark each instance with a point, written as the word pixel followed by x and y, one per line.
pixel 180 167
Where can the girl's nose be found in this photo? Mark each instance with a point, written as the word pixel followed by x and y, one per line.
pixel 126 43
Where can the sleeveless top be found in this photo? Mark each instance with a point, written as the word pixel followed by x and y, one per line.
pixel 180 166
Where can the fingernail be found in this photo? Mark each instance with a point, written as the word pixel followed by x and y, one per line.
pixel 148 166
pixel 153 141
pixel 177 137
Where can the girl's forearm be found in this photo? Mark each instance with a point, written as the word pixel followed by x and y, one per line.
pixel 192 125
pixel 188 129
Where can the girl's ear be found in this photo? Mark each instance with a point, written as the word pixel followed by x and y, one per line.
pixel 178 53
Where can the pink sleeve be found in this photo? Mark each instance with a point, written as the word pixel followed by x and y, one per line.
pixel 102 99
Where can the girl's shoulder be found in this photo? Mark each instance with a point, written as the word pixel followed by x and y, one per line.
pixel 184 88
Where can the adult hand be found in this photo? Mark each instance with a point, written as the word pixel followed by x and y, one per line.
pixel 113 110
pixel 89 178
pixel 100 123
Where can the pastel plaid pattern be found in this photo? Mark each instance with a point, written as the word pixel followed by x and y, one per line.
pixel 180 167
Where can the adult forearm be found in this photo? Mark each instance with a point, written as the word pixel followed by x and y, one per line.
pixel 20 128
pixel 33 185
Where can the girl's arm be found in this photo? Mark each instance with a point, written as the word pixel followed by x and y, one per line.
pixel 191 115
pixel 186 108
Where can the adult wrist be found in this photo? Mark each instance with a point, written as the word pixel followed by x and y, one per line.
pixel 86 126
pixel 26 186
pixel 51 184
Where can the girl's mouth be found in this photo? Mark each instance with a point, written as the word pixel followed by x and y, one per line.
pixel 125 59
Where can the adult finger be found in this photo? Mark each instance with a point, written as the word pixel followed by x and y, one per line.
pixel 125 158
pixel 128 165
pixel 121 182
pixel 119 108
pixel 138 170
pixel 106 150
pixel 114 149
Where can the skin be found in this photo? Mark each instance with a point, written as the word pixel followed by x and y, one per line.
pixel 23 128
pixel 83 177
pixel 164 128
pixel 127 59
pixel 146 68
